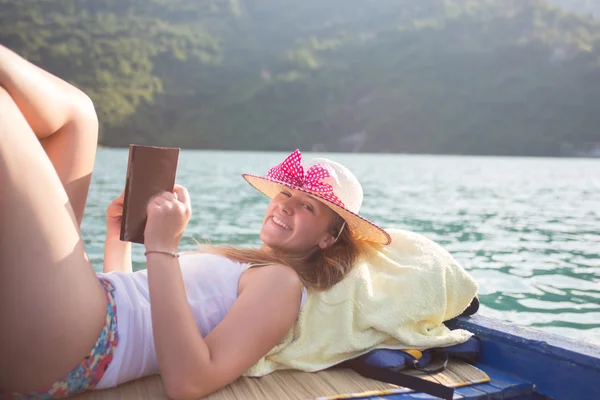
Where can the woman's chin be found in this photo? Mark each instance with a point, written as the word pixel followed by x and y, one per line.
pixel 268 237
pixel 274 240
pixel 271 241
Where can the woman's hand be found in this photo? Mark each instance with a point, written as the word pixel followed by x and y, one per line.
pixel 114 214
pixel 168 216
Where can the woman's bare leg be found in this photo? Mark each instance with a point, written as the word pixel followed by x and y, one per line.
pixel 63 119
pixel 52 306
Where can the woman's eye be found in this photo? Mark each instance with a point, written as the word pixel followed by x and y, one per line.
pixel 286 194
pixel 308 207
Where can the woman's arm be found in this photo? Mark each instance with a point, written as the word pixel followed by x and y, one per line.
pixel 62 117
pixel 117 254
pixel 265 310
pixel 192 367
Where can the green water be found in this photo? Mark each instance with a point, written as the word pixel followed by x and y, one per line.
pixel 527 229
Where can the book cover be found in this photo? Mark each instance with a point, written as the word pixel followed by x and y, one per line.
pixel 150 170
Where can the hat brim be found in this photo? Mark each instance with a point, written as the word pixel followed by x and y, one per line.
pixel 361 228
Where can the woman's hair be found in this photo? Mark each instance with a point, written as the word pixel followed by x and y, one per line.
pixel 320 270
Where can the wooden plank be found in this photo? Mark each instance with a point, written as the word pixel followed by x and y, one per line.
pixel 511 386
pixel 492 392
pixel 502 386
pixel 424 396
pixel 409 396
pixel 400 396
pixel 538 357
pixel 533 396
pixel 471 393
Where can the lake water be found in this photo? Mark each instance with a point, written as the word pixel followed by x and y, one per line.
pixel 527 229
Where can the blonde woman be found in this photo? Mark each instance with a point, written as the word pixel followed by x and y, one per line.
pixel 199 319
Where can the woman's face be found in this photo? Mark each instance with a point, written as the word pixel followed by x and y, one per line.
pixel 296 223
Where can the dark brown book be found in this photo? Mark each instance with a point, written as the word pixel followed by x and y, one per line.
pixel 150 170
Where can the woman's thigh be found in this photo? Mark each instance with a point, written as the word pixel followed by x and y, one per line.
pixel 52 306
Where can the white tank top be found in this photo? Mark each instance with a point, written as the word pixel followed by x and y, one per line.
pixel 211 286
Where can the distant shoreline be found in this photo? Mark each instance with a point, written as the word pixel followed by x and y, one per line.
pixel 590 156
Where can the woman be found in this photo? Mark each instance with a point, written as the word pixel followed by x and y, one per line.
pixel 200 319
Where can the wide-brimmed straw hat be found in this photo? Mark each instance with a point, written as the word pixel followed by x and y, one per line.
pixel 327 181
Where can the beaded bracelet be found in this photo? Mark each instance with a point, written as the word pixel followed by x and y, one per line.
pixel 170 253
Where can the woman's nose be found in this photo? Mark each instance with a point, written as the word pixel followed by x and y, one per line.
pixel 287 206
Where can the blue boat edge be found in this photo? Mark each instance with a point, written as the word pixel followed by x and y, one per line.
pixel 557 366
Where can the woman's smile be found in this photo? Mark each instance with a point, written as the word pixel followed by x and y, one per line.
pixel 280 223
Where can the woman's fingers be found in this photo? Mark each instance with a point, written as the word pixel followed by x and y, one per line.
pixel 168 196
pixel 166 200
pixel 117 202
pixel 183 196
pixel 115 208
pixel 168 215
pixel 178 200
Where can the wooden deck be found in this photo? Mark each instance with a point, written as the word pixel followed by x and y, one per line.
pixel 501 386
pixel 521 363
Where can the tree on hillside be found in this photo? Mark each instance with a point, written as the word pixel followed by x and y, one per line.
pixel 453 76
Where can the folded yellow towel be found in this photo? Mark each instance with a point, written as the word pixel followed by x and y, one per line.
pixel 396 297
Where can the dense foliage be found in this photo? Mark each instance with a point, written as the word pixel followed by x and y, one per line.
pixel 438 76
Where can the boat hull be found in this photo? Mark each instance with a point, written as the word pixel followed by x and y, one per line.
pixel 558 367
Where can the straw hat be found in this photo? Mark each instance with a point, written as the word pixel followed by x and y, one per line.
pixel 327 181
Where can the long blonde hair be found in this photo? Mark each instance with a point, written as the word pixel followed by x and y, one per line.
pixel 319 271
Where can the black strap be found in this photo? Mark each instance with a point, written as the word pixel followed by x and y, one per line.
pixel 398 378
pixel 441 368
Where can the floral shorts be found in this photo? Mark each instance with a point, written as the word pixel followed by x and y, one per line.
pixel 86 375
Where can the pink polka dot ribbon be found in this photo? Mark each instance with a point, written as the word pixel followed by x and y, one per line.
pixel 290 171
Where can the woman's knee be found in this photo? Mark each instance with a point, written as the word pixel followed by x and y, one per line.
pixel 11 117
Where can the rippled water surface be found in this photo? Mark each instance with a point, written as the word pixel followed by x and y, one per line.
pixel 527 229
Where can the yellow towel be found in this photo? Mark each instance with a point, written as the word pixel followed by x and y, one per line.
pixel 397 297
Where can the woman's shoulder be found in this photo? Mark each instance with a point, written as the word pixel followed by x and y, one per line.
pixel 274 276
pixel 276 271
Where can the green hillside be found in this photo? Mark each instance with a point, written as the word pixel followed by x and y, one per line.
pixel 507 77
